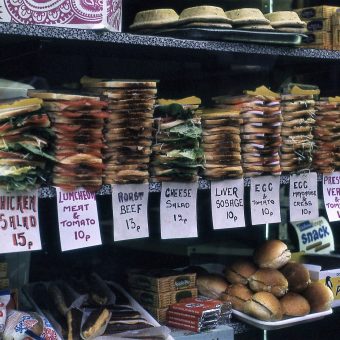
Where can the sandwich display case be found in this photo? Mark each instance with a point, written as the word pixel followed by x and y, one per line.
pixel 210 68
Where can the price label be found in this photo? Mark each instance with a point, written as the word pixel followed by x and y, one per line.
pixel 178 210
pixel 331 195
pixel 19 223
pixel 303 197
pixel 130 211
pixel 265 199
pixel 78 219
pixel 227 204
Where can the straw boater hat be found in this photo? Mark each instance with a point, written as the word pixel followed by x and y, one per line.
pixel 154 18
pixel 203 14
pixel 285 19
pixel 247 16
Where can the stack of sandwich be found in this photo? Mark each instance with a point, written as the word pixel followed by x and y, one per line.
pixel 24 143
pixel 128 129
pixel 260 132
pixel 326 155
pixel 176 152
pixel 298 115
pixel 77 122
pixel 221 140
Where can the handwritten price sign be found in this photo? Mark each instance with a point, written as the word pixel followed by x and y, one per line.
pixel 331 195
pixel 227 204
pixel 78 219
pixel 19 223
pixel 265 200
pixel 130 211
pixel 303 197
pixel 178 210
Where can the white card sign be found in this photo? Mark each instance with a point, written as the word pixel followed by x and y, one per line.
pixel 227 203
pixel 315 236
pixel 303 197
pixel 178 210
pixel 19 223
pixel 265 199
pixel 78 219
pixel 130 211
pixel 331 195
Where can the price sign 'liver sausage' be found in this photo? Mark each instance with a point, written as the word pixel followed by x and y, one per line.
pixel 19 224
pixel 227 204
pixel 78 219
pixel 178 210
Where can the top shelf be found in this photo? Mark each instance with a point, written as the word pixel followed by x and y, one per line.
pixel 43 33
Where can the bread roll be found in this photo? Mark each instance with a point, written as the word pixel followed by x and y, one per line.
pixel 297 276
pixel 319 296
pixel 264 306
pixel 272 254
pixel 293 304
pixel 237 294
pixel 269 280
pixel 211 286
pixel 240 271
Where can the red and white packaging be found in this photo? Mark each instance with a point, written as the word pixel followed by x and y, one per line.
pixel 197 306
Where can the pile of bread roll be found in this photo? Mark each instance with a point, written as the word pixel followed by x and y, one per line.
pixel 270 287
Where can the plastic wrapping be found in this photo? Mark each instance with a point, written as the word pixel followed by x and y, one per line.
pixel 5 296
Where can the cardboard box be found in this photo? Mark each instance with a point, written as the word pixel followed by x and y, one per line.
pixel 336 38
pixel 4 283
pixel 106 14
pixel 158 313
pixel 161 300
pixel 324 25
pixel 322 12
pixel 320 38
pixel 3 270
pixel 161 282
pixel 329 276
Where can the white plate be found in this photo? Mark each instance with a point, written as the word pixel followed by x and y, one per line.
pixel 271 325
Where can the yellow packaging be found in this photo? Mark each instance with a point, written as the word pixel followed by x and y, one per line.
pixel 329 277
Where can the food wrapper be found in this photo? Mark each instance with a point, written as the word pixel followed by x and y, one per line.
pixel 20 326
pixel 5 296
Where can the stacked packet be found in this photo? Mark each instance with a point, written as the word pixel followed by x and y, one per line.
pixel 261 135
pixel 221 141
pixel 128 128
pixel 194 314
pixel 298 113
pixel 176 152
pixel 326 155
pixel 260 130
pixel 24 144
pixel 77 122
